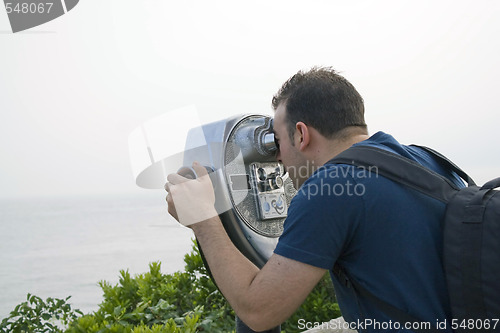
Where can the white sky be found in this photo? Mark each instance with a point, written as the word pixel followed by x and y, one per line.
pixel 73 89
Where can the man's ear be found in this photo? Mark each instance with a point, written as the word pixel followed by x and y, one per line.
pixel 303 136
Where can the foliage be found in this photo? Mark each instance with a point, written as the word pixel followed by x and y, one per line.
pixel 183 302
pixel 36 315
pixel 320 306
pixel 154 302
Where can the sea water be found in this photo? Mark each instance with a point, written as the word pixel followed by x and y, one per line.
pixel 59 247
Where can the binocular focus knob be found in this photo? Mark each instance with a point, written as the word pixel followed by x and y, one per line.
pixel 276 182
pixel 271 183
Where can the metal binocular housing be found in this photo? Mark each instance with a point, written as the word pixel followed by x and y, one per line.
pixel 252 190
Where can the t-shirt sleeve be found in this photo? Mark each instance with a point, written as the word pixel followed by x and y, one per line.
pixel 322 218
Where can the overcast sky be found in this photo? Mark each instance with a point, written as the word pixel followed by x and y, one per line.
pixel 73 90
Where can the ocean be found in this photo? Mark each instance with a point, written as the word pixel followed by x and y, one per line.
pixel 60 247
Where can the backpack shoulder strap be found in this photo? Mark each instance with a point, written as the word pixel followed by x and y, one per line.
pixel 403 170
pixel 445 162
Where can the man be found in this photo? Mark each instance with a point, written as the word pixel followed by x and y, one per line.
pixel 384 235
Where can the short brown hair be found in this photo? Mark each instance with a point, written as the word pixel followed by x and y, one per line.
pixel 323 99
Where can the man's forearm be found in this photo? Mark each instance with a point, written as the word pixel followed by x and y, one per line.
pixel 261 298
pixel 232 271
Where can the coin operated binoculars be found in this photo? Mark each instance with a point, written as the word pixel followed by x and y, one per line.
pixel 252 189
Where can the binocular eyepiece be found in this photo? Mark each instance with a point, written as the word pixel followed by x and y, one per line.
pixel 265 141
pixel 268 143
pixel 254 139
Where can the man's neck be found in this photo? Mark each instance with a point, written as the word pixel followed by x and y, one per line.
pixel 336 146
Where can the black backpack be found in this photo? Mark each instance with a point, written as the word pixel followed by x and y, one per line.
pixel 471 248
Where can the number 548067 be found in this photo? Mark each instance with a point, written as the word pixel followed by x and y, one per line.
pixel 25 7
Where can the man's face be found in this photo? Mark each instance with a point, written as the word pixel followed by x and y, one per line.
pixel 288 153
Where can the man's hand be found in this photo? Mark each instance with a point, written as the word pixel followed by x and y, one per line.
pixel 191 200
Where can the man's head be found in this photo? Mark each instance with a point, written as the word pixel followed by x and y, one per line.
pixel 315 111
pixel 323 99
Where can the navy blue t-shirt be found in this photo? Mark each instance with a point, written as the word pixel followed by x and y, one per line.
pixel 386 236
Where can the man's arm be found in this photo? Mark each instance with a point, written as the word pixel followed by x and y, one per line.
pixel 262 299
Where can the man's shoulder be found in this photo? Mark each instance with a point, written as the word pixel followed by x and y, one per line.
pixel 416 154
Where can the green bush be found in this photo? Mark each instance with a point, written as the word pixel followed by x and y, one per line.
pixel 153 302
pixel 36 315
